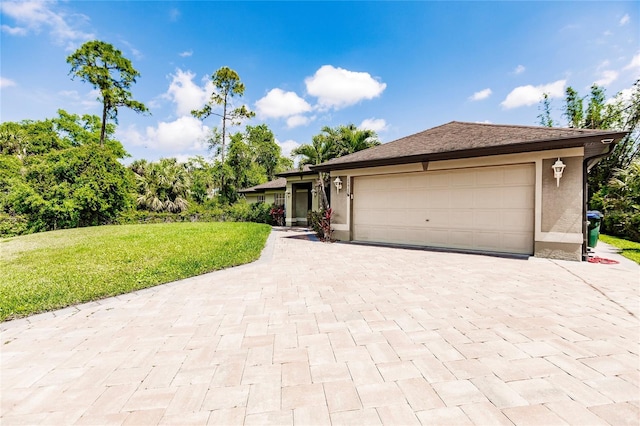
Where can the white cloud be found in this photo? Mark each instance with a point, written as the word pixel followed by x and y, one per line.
pixel 184 134
pixel 287 146
pixel 482 94
pixel 635 62
pixel 174 14
pixel 34 16
pixel 375 124
pixel 530 95
pixel 186 53
pixel 298 120
pixel 519 69
pixel 183 158
pixel 185 93
pixel 607 77
pixel 338 88
pixel 88 101
pixel 15 31
pixel 5 82
pixel 278 103
pixel 624 20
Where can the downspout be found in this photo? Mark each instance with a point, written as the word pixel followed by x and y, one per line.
pixel 585 192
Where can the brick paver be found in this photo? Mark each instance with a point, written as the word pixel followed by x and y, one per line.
pixel 319 333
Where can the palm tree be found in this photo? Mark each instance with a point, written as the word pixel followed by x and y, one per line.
pixel 162 186
pixel 351 139
pixel 332 143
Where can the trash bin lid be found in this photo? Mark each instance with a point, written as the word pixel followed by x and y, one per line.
pixel 594 214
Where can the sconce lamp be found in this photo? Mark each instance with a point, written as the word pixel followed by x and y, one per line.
pixel 314 192
pixel 288 193
pixel 558 168
pixel 338 183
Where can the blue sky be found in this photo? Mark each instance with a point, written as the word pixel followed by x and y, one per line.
pixel 395 67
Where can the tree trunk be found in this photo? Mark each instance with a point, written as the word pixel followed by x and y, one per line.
pixel 104 124
pixel 323 192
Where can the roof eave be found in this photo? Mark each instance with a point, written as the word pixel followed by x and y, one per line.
pixel 474 152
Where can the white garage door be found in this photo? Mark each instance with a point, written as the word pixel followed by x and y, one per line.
pixel 487 208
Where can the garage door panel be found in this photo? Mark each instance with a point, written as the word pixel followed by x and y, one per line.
pixel 518 176
pixel 490 241
pixel 487 198
pixel 438 218
pixel 487 209
pixel 513 220
pixel 462 178
pixel 517 197
pixel 461 199
pixel 490 177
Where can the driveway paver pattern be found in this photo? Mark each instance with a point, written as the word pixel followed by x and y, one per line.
pixel 337 334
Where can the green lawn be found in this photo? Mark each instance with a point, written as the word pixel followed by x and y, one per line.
pixel 630 250
pixel 51 270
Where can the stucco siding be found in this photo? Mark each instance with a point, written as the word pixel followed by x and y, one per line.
pixel 562 205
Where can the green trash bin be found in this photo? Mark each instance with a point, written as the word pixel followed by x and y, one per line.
pixel 594 217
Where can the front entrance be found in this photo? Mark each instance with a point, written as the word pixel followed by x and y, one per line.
pixel 301 198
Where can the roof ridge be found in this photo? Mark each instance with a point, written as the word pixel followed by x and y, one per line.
pixel 522 126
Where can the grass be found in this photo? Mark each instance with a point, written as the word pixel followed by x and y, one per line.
pixel 629 249
pixel 51 270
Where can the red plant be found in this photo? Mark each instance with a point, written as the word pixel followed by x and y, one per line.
pixel 277 213
pixel 325 224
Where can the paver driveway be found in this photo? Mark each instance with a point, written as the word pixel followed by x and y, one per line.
pixel 343 334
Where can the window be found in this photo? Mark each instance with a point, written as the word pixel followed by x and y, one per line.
pixel 278 199
pixel 261 198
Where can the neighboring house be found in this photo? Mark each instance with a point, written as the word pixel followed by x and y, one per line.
pixel 468 186
pixel 271 192
pixel 295 189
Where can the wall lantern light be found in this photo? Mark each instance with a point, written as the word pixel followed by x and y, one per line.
pixel 338 183
pixel 314 192
pixel 288 193
pixel 558 168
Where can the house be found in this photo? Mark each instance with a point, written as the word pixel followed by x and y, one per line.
pixel 469 186
pixel 271 192
pixel 294 189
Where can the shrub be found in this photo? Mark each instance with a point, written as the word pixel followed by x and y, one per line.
pixel 13 225
pixel 320 223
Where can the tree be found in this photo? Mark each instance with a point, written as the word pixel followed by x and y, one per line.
pixel 266 152
pixel 227 85
pixel 104 67
pixel 77 186
pixel 163 186
pixel 332 143
pixel 545 114
pixel 620 203
pixel 573 108
pixel 351 139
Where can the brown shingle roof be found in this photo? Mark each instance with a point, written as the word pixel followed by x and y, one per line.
pixel 305 170
pixel 279 183
pixel 462 140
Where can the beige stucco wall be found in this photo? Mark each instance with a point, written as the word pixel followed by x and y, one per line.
pixel 251 198
pixel 561 251
pixel 562 205
pixel 558 211
pixel 339 201
pixel 269 196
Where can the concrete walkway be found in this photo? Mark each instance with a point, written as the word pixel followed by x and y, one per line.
pixel 336 334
